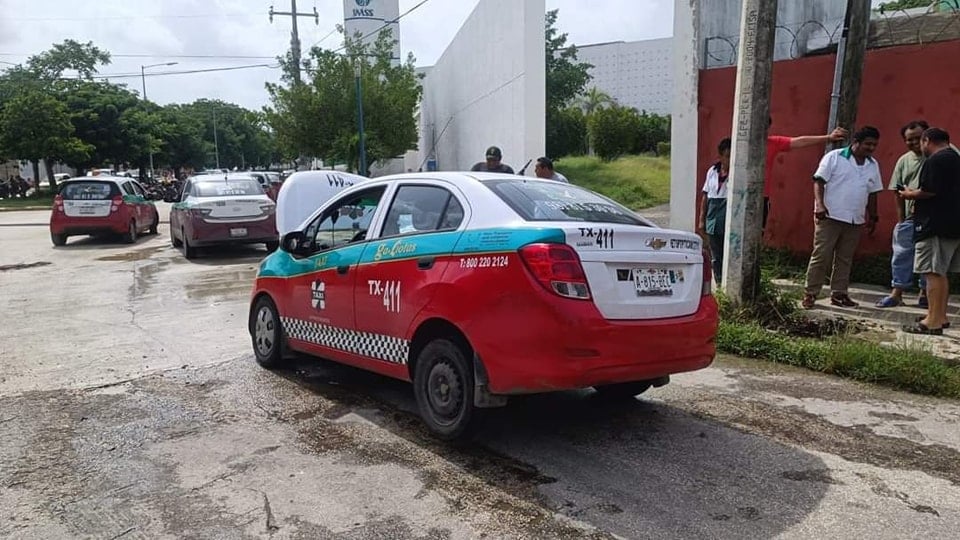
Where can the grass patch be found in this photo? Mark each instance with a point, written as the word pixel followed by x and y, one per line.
pixel 635 181
pixel 44 199
pixel 774 329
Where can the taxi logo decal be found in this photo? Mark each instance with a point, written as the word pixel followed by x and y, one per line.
pixel 318 292
pixel 656 243
pixel 397 249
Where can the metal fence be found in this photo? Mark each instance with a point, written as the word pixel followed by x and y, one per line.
pixel 888 29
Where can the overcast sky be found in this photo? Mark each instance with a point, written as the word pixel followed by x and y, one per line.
pixel 158 31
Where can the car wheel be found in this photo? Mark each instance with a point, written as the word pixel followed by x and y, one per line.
pixel 267 334
pixel 622 390
pixel 272 246
pixel 131 236
pixel 156 223
pixel 58 239
pixel 443 386
pixel 174 241
pixel 189 251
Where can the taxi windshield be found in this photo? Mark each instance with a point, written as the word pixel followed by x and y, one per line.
pixel 226 189
pixel 555 201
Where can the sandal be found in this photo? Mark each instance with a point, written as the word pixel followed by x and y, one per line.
pixel 842 300
pixel 945 325
pixel 922 329
pixel 889 302
pixel 809 301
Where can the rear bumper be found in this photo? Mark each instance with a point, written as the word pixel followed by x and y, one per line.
pixel 582 353
pixel 72 226
pixel 203 233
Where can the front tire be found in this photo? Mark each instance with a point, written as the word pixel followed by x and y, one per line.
pixel 272 246
pixel 266 332
pixel 443 386
pixel 156 223
pixel 58 240
pixel 189 252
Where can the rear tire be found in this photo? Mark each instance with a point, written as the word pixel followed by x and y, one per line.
pixel 189 252
pixel 272 246
pixel 156 223
pixel 58 240
pixel 622 390
pixel 266 331
pixel 443 386
pixel 131 236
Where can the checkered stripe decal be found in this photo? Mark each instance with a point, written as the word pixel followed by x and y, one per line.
pixel 386 348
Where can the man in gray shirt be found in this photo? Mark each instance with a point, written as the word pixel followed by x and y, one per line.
pixel 493 164
pixel 544 169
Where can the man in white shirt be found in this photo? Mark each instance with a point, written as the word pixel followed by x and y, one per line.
pixel 544 169
pixel 845 184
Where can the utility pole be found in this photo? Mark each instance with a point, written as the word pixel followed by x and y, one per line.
pixel 741 261
pixel 143 81
pixel 216 142
pixel 363 142
pixel 848 74
pixel 295 35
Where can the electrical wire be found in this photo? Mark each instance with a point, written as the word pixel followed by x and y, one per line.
pixel 387 24
pixel 180 72
pixel 181 56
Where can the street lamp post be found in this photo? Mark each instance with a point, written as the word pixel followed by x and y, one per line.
pixel 143 81
pixel 363 144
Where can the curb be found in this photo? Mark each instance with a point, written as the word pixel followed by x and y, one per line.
pixel 25 209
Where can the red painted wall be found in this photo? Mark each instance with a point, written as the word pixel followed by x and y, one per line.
pixel 900 84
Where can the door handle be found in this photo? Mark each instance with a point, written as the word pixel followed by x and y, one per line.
pixel 426 263
pixel 343 269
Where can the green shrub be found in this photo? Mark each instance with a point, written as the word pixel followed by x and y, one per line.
pixel 663 149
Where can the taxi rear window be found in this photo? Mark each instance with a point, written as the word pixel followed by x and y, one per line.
pixel 555 201
pixel 89 191
pixel 227 189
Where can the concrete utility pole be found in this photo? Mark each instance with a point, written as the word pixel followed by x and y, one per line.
pixel 295 35
pixel 849 73
pixel 143 80
pixel 741 260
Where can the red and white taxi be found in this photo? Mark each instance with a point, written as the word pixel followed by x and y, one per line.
pixel 102 205
pixel 479 286
pixel 220 209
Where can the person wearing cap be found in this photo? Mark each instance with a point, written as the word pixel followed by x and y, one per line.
pixel 493 164
pixel 544 169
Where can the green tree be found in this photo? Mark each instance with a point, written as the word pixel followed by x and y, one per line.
pixel 614 131
pixel 904 4
pixel 566 79
pixel 70 56
pixel 319 117
pixel 242 139
pixel 34 125
pixel 182 143
pixel 570 133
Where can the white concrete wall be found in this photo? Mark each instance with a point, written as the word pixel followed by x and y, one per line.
pixel 637 74
pixel 685 120
pixel 488 88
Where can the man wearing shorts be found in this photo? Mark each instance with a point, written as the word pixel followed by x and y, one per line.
pixel 937 226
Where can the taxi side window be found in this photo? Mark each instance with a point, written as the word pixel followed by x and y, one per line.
pixel 128 188
pixel 186 191
pixel 346 222
pixel 419 209
pixel 138 190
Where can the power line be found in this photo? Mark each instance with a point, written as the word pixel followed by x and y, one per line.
pixel 180 72
pixel 126 17
pixel 181 56
pixel 387 23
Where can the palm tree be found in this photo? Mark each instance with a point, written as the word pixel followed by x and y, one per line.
pixel 591 102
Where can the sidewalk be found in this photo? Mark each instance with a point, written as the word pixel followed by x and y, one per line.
pixel 884 324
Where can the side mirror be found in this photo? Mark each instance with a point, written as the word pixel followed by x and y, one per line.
pixel 293 242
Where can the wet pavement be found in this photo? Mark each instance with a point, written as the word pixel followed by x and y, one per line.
pixel 131 407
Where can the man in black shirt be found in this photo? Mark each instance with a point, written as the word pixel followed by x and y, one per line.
pixel 493 164
pixel 937 223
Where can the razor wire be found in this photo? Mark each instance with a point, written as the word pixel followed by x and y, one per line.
pixel 803 38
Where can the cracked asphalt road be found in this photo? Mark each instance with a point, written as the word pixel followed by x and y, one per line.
pixel 131 407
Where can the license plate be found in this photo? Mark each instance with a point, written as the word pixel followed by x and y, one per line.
pixel 87 210
pixel 238 232
pixel 654 281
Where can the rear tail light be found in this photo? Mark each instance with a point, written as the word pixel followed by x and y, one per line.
pixel 200 212
pixel 557 267
pixel 116 203
pixel 707 275
pixel 268 208
pixel 58 203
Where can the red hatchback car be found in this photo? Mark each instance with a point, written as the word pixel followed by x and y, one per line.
pixel 102 205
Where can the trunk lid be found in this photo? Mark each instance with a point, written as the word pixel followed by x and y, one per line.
pixel 639 272
pixel 235 208
pixel 94 199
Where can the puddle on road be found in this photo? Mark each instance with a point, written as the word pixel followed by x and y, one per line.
pixel 221 286
pixel 145 276
pixel 138 255
pixel 23 266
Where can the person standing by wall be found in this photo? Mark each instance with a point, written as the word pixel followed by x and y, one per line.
pixel 906 174
pixel 544 169
pixel 937 226
pixel 713 208
pixel 846 182
pixel 493 162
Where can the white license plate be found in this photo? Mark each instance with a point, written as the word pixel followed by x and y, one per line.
pixel 654 281
pixel 238 232
pixel 87 210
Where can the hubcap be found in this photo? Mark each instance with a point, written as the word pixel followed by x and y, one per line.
pixel 264 332
pixel 445 392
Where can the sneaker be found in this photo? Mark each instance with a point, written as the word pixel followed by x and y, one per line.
pixel 842 300
pixel 809 300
